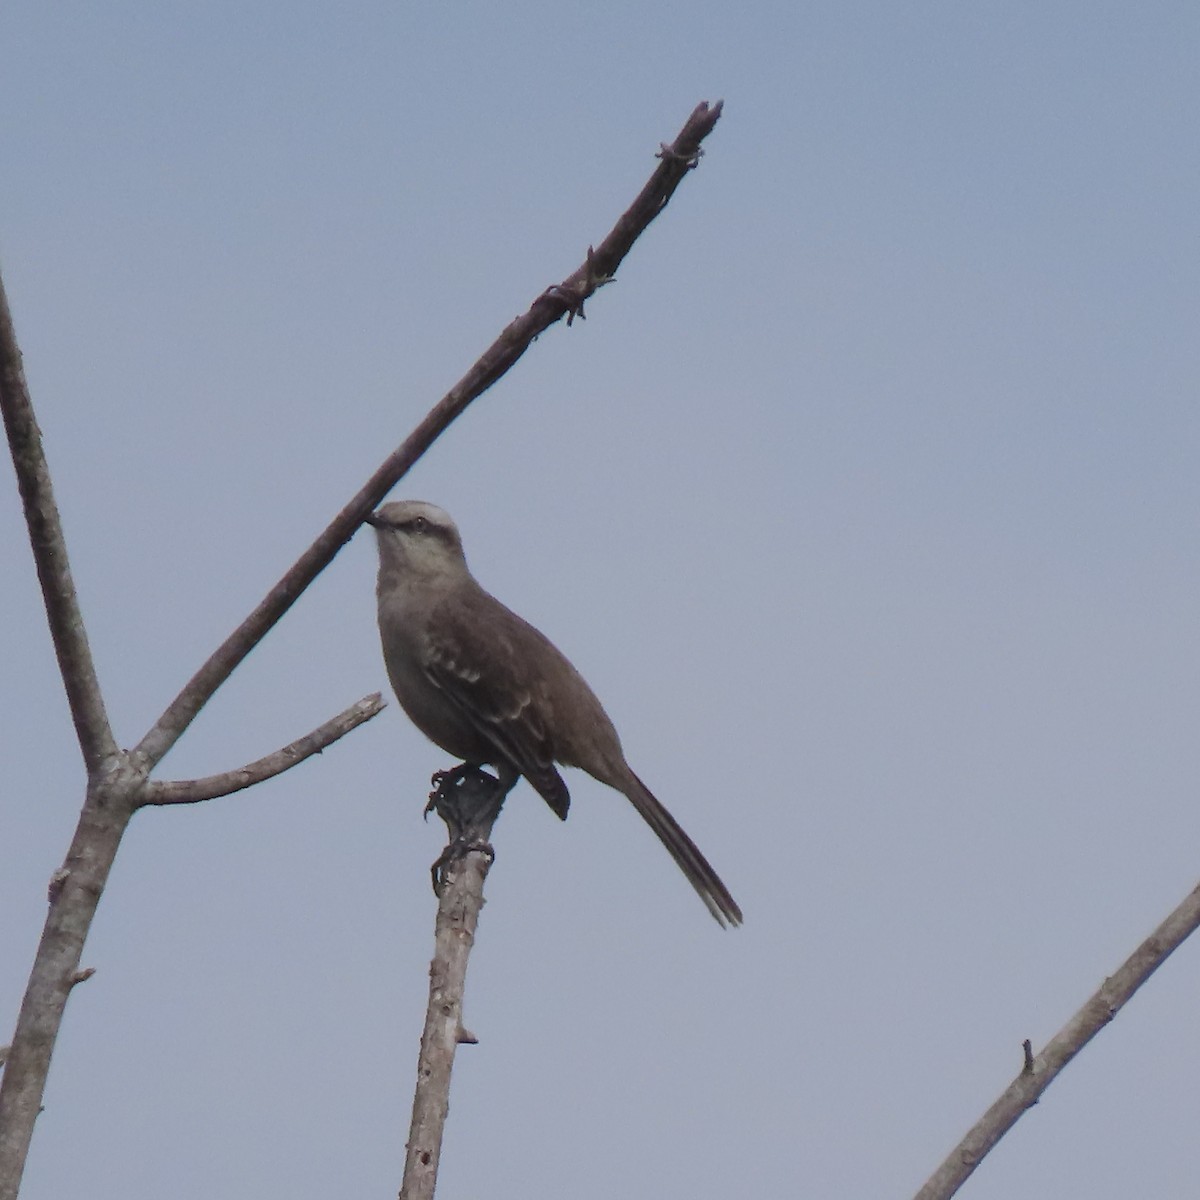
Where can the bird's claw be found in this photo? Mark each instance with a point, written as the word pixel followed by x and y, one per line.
pixel 443 781
pixel 468 800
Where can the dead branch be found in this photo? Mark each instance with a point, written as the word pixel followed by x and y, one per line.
pixel 469 801
pixel 75 891
pixel 550 307
pixel 50 553
pixel 1041 1070
pixel 191 791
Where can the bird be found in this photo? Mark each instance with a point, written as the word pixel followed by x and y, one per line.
pixel 490 689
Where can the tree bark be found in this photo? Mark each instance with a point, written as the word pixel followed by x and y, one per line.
pixel 75 891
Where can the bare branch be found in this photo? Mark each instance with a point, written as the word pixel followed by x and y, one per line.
pixel 50 553
pixel 1039 1072
pixel 191 791
pixel 75 890
pixel 469 801
pixel 550 307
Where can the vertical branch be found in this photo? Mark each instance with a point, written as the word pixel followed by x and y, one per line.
pixel 76 887
pixel 74 894
pixel 50 553
pixel 469 801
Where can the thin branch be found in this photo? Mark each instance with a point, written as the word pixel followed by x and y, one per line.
pixel 1039 1072
pixel 50 553
pixel 191 791
pixel 550 307
pixel 469 801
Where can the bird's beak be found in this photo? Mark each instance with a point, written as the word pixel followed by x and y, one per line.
pixel 374 521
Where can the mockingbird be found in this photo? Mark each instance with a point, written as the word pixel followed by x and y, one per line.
pixel 489 688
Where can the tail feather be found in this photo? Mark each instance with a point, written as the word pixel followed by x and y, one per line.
pixel 686 854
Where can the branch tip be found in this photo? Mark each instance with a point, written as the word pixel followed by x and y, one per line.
pixel 192 791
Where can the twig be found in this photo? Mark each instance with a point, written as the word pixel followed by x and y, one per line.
pixel 191 791
pixel 555 303
pixel 50 553
pixel 469 801
pixel 1040 1071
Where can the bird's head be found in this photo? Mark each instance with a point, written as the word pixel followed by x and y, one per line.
pixel 417 540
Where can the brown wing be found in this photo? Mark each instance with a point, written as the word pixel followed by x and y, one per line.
pixel 479 657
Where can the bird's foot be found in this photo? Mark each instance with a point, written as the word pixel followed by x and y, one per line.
pixel 444 781
pixel 469 800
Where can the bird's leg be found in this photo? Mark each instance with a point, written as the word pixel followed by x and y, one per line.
pixel 469 800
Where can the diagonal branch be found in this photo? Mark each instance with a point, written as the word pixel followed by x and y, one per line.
pixel 50 553
pixel 191 791
pixel 551 306
pixel 1040 1071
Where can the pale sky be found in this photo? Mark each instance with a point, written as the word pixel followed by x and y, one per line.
pixel 867 500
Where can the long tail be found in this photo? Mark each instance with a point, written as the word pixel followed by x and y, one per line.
pixel 686 854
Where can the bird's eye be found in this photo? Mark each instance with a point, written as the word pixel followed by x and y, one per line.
pixel 420 524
